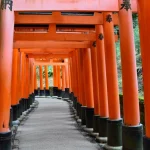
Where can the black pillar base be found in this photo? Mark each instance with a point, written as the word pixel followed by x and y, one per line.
pixel 5 141
pixel 146 143
pixel 114 129
pixel 15 109
pixel 59 92
pixel 132 137
pixel 79 110
pixel 42 93
pixel 21 106
pixel 25 103
pixel 83 115
pixel 36 92
pixel 55 89
pixel 96 123
pixel 75 103
pixel 71 96
pixel 66 95
pixel 62 93
pixel 33 96
pixel 11 118
pixel 89 117
pixel 102 121
pixel 47 92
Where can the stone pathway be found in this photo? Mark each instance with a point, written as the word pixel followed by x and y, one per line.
pixel 52 127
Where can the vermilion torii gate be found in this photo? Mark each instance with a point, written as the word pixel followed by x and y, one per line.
pixel 83 30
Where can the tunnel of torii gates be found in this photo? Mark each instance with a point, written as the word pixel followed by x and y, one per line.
pixel 76 37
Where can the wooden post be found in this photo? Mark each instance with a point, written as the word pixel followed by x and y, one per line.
pixel 41 81
pixel 58 77
pixel 63 78
pixel 95 87
pixel 14 92
pixel 129 81
pixel 55 84
pixel 114 121
pixel 67 73
pixel 144 22
pixel 6 55
pixel 88 83
pixel 27 83
pixel 47 93
pixel 79 86
pixel 19 82
pixel 103 98
pixel 23 82
pixel 35 81
pixel 55 81
pixel 83 80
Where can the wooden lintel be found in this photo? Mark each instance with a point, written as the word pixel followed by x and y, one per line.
pixel 66 5
pixel 55 37
pixel 70 5
pixel 37 62
pixel 48 55
pixel 57 18
pixel 46 51
pixel 51 44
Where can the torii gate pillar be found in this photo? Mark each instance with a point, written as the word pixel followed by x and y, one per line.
pixel 41 81
pixel 114 123
pixel 6 54
pixel 47 93
pixel 131 126
pixel 144 22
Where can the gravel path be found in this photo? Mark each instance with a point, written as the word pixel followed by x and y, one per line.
pixel 52 127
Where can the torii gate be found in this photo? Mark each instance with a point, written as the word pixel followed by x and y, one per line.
pixel 105 78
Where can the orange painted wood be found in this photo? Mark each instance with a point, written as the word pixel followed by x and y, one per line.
pixel 27 78
pixel 88 82
pixel 63 78
pixel 47 50
pixel 111 69
pixel 66 72
pixel 78 57
pixel 55 82
pixel 46 77
pixel 48 55
pixel 35 78
pixel 54 37
pixel 95 80
pixel 51 44
pixel 41 77
pixel 19 76
pixel 23 81
pixel 102 80
pixel 58 77
pixel 57 18
pixel 83 80
pixel 67 5
pixel 144 23
pixel 32 66
pixel 77 76
pixel 6 55
pixel 38 62
pixel 14 88
pixel 70 77
pixel 31 85
pixel 129 72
